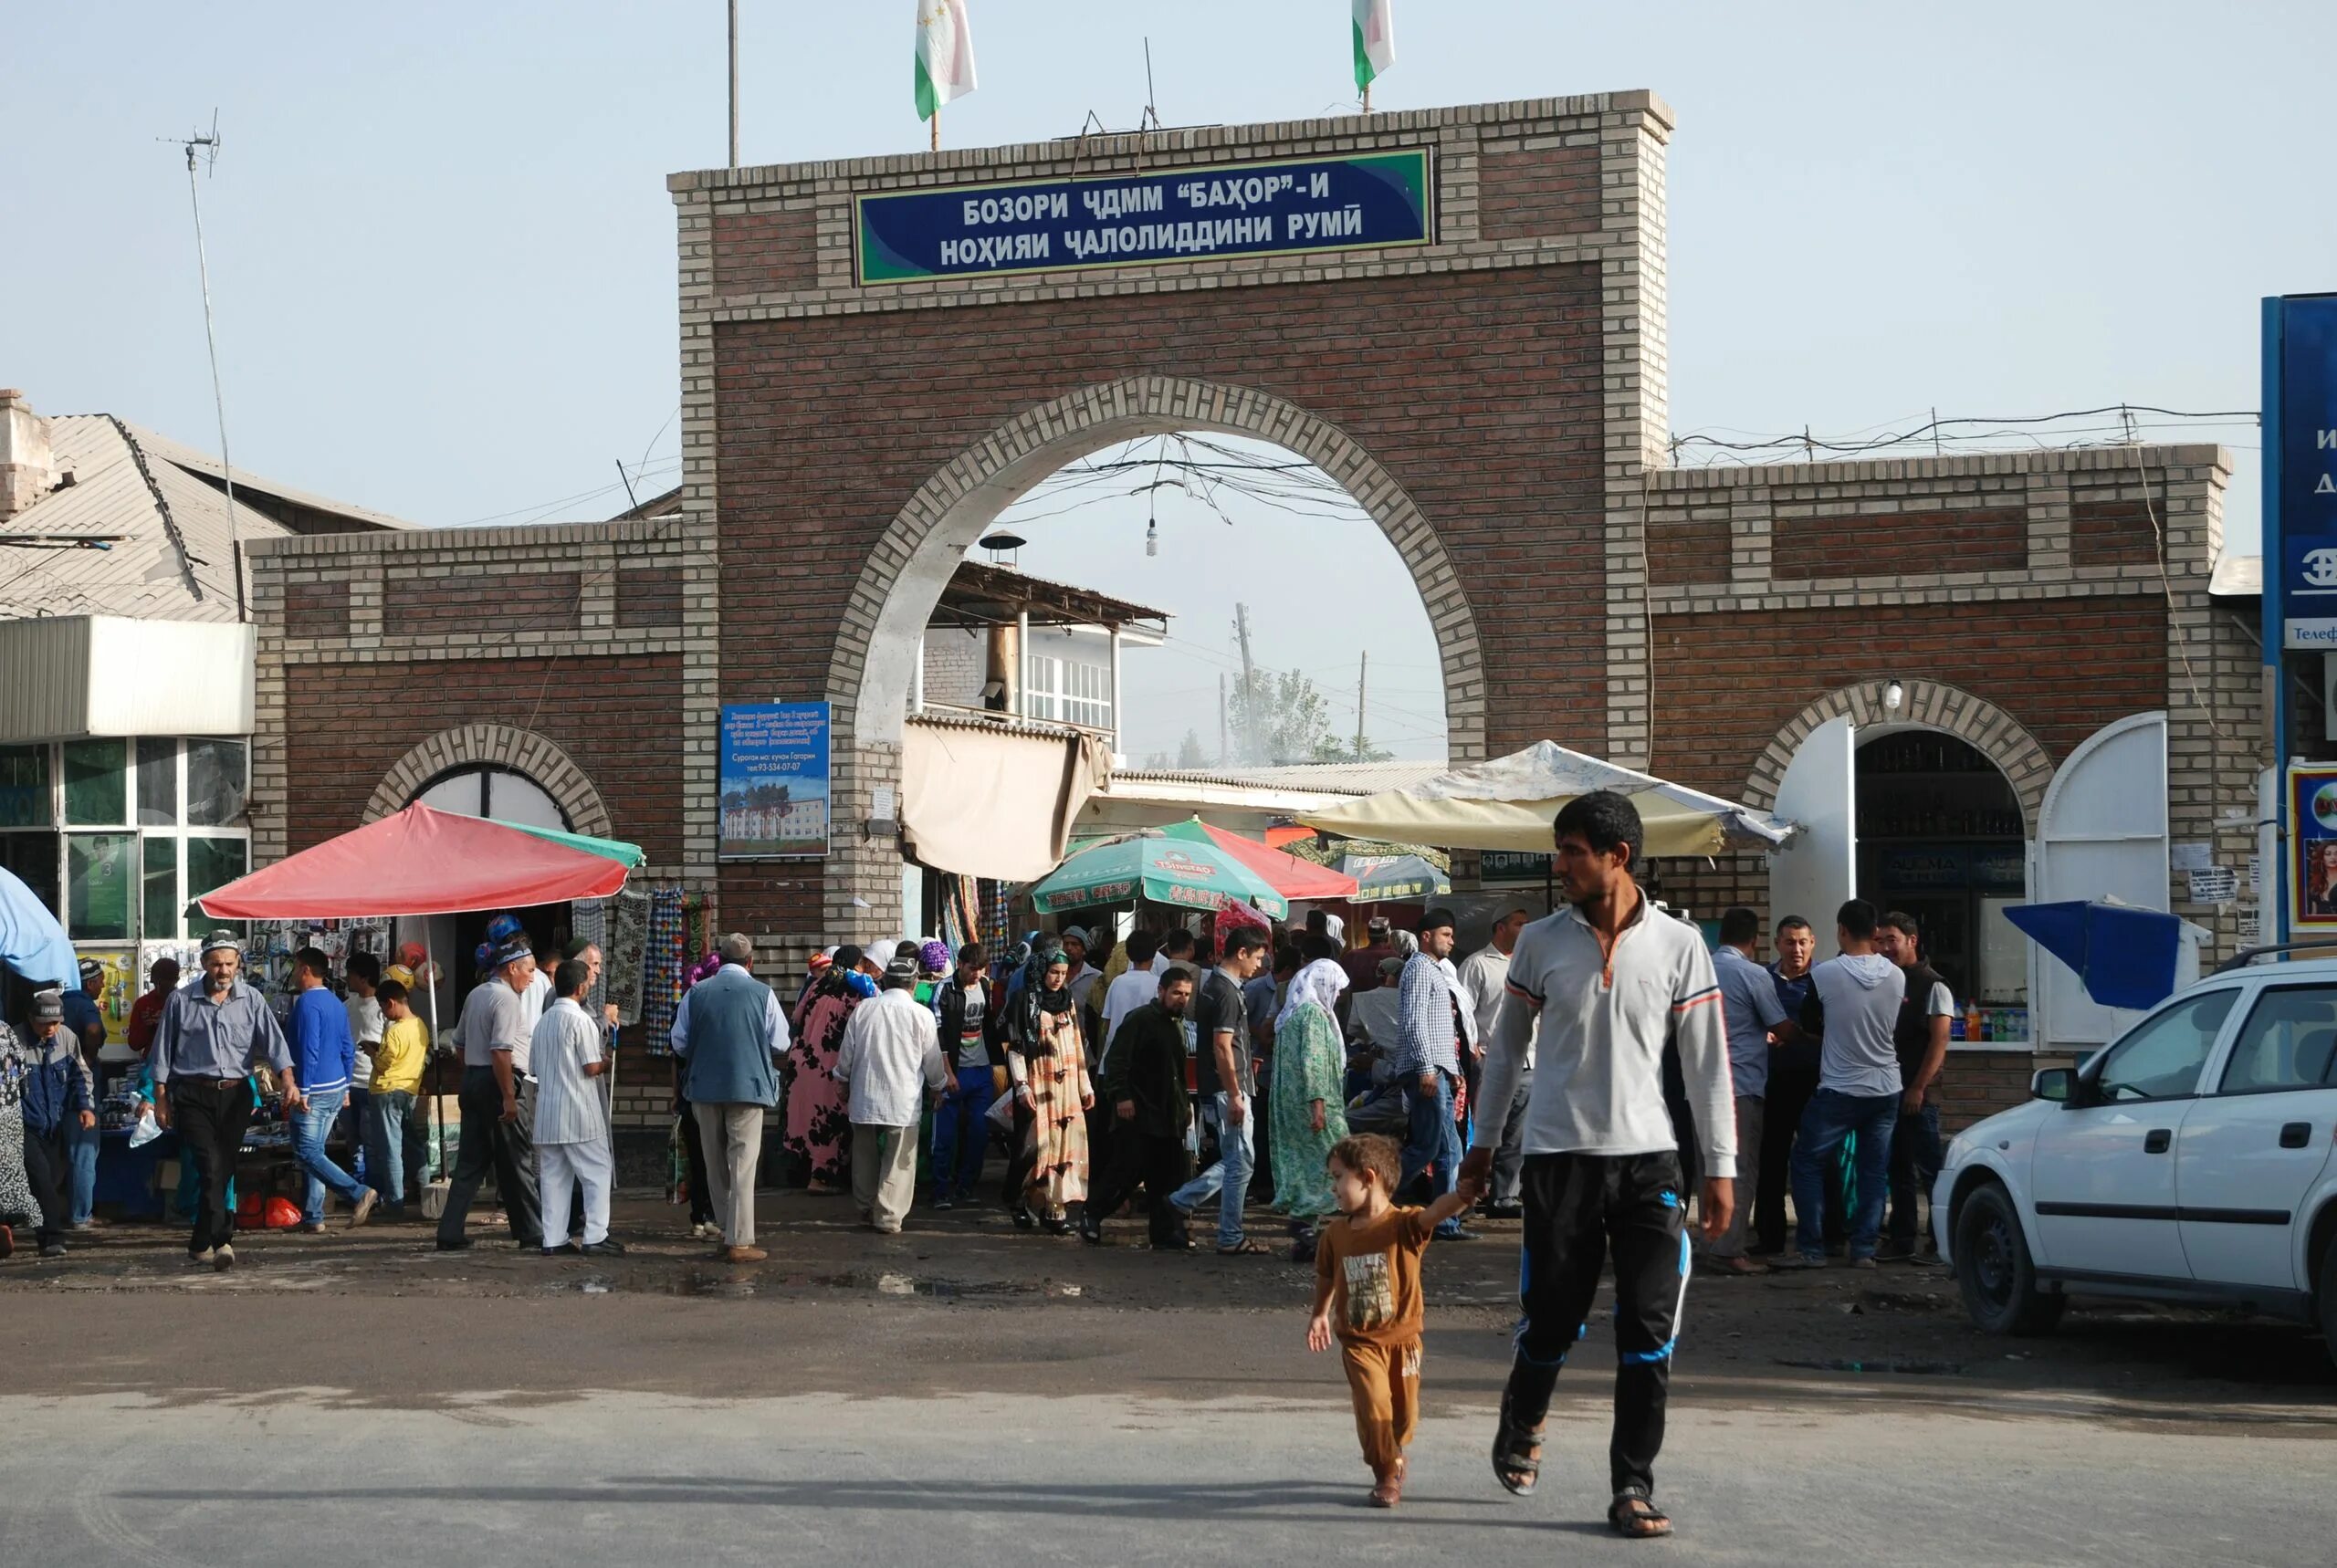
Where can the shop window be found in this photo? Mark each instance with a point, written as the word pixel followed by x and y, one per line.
pixel 96 786
pixel 217 774
pixel 212 863
pixel 161 901
pixel 158 783
pixel 24 792
pixel 495 793
pixel 1046 678
pixel 97 884
pixel 33 858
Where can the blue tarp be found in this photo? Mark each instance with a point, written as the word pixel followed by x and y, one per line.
pixel 2125 956
pixel 31 941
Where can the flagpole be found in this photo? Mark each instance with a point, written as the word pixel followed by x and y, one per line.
pixel 1367 98
pixel 937 128
pixel 734 83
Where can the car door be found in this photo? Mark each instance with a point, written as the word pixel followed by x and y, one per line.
pixel 2254 1145
pixel 2102 1177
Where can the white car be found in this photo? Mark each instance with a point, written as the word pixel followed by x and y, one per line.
pixel 2192 1159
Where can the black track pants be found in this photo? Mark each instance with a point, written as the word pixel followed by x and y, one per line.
pixel 1579 1208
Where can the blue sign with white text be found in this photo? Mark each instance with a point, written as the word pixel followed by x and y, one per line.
pixel 1370 200
pixel 774 781
pixel 2305 519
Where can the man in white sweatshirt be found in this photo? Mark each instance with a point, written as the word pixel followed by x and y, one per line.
pixel 1610 980
pixel 1852 1009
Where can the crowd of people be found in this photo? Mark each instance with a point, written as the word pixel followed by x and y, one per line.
pixel 1592 1073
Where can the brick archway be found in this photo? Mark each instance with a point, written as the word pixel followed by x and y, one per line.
pixel 500 745
pixel 903 576
pixel 1929 705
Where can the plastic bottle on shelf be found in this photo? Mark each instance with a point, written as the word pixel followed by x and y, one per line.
pixel 1972 1019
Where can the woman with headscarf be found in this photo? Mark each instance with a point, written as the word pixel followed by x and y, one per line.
pixel 1047 1062
pixel 1307 1113
pixel 818 1130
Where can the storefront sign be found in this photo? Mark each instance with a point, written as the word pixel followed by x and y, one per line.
pixel 2312 873
pixel 774 781
pixel 2302 533
pixel 1954 868
pixel 1367 201
pixel 1512 866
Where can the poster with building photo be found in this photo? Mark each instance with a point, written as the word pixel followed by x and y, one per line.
pixel 2312 835
pixel 774 781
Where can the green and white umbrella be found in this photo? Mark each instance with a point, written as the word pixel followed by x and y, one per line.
pixel 1381 878
pixel 1166 867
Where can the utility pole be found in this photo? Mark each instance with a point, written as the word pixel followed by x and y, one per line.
pixel 1250 736
pixel 1362 670
pixel 735 82
pixel 1221 756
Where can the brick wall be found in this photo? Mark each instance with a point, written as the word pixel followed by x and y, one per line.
pixel 954 665
pixel 1541 191
pixel 522 600
pixel 2116 530
pixel 316 609
pixel 1987 539
pixel 829 425
pixel 1687 549
pixel 616 717
pixel 765 253
pixel 2064 667
pixel 649 595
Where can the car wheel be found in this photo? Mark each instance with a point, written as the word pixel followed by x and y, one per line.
pixel 2328 1298
pixel 1993 1267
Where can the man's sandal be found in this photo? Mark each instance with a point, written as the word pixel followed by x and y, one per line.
pixel 1248 1247
pixel 1517 1454
pixel 1635 1517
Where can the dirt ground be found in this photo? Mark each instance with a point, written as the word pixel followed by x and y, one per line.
pixel 856 1312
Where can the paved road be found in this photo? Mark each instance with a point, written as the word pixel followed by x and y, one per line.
pixel 966 1395
pixel 990 1477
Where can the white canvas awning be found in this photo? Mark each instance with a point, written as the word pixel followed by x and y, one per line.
pixel 1510 802
pixel 994 800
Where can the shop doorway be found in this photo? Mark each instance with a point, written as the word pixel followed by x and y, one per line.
pixel 1940 837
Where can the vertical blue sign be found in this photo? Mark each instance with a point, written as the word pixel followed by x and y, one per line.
pixel 2300 479
pixel 774 781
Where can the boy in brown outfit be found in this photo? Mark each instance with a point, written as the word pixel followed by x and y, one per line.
pixel 1368 1296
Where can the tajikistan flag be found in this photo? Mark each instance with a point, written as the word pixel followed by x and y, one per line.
pixel 945 55
pixel 1375 40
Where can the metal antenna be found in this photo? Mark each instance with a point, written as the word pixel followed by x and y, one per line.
pixel 208 146
pixel 1151 121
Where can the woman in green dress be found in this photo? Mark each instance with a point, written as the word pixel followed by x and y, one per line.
pixel 1308 1111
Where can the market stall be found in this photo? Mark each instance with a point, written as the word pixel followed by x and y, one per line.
pixel 1188 865
pixel 424 861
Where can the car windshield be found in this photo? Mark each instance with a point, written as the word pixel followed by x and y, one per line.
pixel 2162 1057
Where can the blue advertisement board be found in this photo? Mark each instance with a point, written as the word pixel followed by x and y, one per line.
pixel 1367 201
pixel 2301 522
pixel 774 790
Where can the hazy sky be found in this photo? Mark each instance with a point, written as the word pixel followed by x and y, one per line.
pixel 441 249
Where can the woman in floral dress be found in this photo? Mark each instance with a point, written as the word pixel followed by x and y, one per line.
pixel 1307 1113
pixel 1046 1060
pixel 17 1206
pixel 818 1130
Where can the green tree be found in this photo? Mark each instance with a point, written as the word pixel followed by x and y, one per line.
pixel 1278 718
pixel 1190 754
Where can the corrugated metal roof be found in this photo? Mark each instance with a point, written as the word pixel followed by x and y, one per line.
pixel 175 561
pixel 1324 777
pixel 2237 576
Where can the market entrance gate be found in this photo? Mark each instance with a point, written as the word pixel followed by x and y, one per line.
pixel 1457 314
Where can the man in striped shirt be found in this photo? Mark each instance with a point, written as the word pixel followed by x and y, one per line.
pixel 571 1125
pixel 1610 980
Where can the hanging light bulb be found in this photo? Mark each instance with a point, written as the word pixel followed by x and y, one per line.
pixel 1152 536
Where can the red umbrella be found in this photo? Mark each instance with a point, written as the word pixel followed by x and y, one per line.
pixel 418 861
pixel 1287 874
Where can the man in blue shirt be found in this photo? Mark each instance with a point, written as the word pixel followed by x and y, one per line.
pixel 1750 1008
pixel 324 1053
pixel 214 1031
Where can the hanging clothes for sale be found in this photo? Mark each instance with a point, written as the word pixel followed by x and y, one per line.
pixel 628 947
pixel 665 959
pixel 587 921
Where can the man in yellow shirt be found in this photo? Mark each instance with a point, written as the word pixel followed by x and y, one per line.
pixel 393 1133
